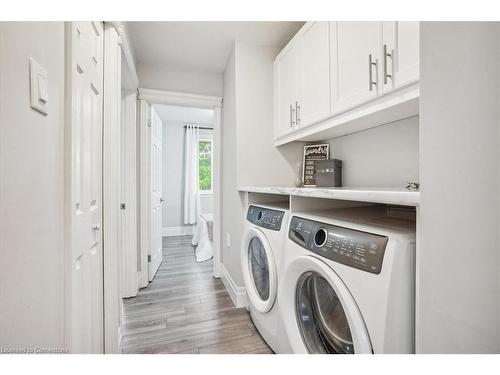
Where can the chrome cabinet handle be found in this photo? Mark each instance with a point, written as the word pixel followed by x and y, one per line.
pixel 297 113
pixel 370 72
pixel 292 123
pixel 386 55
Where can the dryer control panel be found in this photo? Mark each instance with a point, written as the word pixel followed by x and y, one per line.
pixel 265 217
pixel 353 248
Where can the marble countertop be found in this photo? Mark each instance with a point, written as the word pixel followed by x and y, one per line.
pixel 398 196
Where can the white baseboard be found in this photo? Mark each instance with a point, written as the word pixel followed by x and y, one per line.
pixel 142 279
pixel 238 294
pixel 187 230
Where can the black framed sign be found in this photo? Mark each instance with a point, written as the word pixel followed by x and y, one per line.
pixel 311 154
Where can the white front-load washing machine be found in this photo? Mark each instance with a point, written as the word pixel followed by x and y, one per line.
pixel 348 285
pixel 262 260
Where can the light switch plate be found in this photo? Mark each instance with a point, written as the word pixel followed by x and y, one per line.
pixel 39 87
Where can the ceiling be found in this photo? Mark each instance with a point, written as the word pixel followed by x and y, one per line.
pixel 203 46
pixel 171 114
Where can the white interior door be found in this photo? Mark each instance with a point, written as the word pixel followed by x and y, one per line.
pixel 86 279
pixel 128 205
pixel 155 248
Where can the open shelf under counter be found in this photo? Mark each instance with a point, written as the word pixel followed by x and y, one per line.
pixel 394 196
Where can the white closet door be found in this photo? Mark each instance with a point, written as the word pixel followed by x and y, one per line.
pixel 314 73
pixel 352 43
pixel 155 248
pixel 403 60
pixel 86 279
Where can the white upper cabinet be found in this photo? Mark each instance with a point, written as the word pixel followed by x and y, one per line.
pixel 401 48
pixel 286 91
pixel 334 78
pixel 314 74
pixel 355 55
pixel 302 80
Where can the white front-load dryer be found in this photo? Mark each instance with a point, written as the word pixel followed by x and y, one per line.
pixel 348 285
pixel 262 264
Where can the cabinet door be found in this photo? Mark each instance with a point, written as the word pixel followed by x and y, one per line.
pixel 314 74
pixel 285 83
pixel 400 66
pixel 352 43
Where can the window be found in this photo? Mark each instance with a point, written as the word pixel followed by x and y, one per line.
pixel 205 165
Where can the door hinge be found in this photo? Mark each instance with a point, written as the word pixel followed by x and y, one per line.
pixel 149 258
pixel 149 123
pixel 123 206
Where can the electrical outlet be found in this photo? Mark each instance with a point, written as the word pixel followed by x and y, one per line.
pixel 228 240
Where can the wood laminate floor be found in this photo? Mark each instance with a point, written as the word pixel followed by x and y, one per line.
pixel 185 310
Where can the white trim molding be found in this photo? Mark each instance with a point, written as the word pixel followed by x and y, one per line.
pixel 179 98
pixel 111 184
pixel 144 185
pixel 238 294
pixel 148 97
pixel 128 52
pixel 217 189
pixel 187 230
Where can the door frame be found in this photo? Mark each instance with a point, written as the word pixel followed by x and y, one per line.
pixel 144 189
pixel 148 97
pixel 111 188
pixel 128 195
pixel 128 267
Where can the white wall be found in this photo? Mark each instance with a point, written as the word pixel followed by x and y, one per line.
pixel 177 79
pixel 232 201
pixel 259 162
pixel 249 157
pixel 385 156
pixel 31 189
pixel 458 246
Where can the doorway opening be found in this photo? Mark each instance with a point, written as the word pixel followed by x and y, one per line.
pixel 181 304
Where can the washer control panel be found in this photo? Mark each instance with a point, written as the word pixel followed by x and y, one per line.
pixel 265 217
pixel 353 248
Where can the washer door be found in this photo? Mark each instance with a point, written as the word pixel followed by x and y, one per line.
pixel 259 270
pixel 320 313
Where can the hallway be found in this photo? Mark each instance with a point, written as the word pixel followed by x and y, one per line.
pixel 185 310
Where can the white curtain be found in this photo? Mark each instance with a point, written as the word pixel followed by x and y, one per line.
pixel 191 185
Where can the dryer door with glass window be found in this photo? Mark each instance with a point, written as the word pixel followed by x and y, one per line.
pixel 259 270
pixel 320 314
